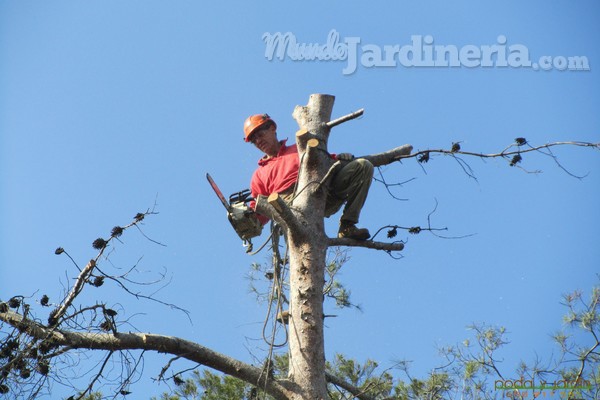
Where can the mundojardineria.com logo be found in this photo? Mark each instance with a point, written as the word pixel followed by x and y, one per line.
pixel 421 52
pixel 530 388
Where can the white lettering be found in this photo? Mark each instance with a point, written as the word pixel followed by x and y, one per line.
pixel 579 63
pixel 420 52
pixel 518 56
pixel 470 55
pixel 410 54
pixel 390 52
pixel 545 63
pixel 279 41
pixel 352 45
pixel 440 56
pixel 560 63
pixel 371 56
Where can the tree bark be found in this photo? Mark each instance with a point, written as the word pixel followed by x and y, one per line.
pixel 389 156
pixel 307 248
pixel 308 242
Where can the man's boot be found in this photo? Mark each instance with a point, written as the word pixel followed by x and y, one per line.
pixel 350 231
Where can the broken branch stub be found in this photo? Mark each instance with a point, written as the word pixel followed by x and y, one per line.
pixel 302 136
pixel 284 212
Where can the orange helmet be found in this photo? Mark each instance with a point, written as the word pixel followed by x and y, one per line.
pixel 254 122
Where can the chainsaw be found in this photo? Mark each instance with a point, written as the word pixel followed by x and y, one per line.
pixel 240 215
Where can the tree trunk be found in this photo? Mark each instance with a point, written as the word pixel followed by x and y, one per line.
pixel 307 248
pixel 303 222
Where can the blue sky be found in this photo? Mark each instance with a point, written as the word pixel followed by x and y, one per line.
pixel 107 107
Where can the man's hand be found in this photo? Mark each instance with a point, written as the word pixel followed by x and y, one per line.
pixel 345 157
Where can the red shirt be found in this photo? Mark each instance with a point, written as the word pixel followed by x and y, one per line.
pixel 275 174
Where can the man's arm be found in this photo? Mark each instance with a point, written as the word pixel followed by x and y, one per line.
pixel 256 188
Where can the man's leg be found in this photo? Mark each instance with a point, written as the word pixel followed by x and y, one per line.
pixel 350 185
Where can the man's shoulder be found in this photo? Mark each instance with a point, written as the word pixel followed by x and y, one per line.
pixel 292 148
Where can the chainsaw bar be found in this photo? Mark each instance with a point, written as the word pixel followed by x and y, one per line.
pixel 218 192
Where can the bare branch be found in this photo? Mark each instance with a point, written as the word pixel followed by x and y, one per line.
pixel 152 342
pixel 389 156
pixel 395 246
pixel 345 118
pixel 357 392
pixel 75 290
pixel 101 245
pixel 506 152
pixel 124 277
pixel 388 185
pixel 95 379
pixel 511 153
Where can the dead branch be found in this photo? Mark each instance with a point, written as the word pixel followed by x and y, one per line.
pixel 506 152
pixel 389 185
pixel 511 153
pixel 356 392
pixel 75 290
pixel 345 118
pixel 388 157
pixel 413 230
pixel 96 378
pixel 138 295
pixel 101 245
pixel 150 342
pixel 369 244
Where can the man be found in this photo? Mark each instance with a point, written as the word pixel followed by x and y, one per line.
pixel 277 172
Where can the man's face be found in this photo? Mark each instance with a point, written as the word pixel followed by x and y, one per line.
pixel 266 141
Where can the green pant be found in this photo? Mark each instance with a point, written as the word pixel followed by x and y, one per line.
pixel 351 186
